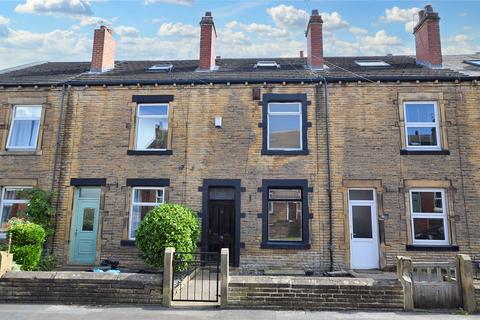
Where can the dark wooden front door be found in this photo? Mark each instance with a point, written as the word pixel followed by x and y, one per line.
pixel 221 226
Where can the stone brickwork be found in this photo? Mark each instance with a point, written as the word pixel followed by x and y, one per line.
pixel 366 138
pixel 315 293
pixel 80 288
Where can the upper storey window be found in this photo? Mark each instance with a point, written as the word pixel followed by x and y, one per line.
pixel 284 124
pixel 422 125
pixel 152 127
pixel 25 126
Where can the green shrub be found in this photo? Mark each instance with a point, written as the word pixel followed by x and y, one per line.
pixel 27 242
pixel 168 225
pixel 48 263
pixel 40 209
pixel 27 256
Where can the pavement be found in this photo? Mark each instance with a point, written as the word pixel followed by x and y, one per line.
pixel 60 312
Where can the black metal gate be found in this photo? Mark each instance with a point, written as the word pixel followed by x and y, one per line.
pixel 196 276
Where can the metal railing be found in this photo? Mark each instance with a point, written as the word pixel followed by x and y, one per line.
pixel 196 276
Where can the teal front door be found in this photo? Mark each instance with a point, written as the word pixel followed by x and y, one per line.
pixel 84 232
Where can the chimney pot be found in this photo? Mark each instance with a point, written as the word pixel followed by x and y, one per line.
pixel 427 38
pixel 103 52
pixel 301 53
pixel 208 35
pixel 314 36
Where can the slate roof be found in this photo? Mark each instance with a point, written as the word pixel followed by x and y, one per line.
pixel 457 63
pixel 230 70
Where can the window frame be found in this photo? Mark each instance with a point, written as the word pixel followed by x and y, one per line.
pixel 137 124
pixel 12 124
pixel 299 98
pixel 430 215
pixel 289 113
pixel 301 184
pixel 2 203
pixel 148 204
pixel 435 125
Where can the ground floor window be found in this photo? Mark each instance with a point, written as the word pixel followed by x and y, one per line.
pixel 144 199
pixel 429 216
pixel 285 213
pixel 11 203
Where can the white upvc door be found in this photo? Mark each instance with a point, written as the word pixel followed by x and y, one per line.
pixel 364 244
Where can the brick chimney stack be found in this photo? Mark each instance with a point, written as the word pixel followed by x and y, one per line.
pixel 103 53
pixel 427 38
pixel 208 35
pixel 314 36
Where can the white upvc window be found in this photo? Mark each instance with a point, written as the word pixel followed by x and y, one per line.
pixel 152 127
pixel 284 126
pixel 144 199
pixel 11 203
pixel 422 125
pixel 428 212
pixel 23 133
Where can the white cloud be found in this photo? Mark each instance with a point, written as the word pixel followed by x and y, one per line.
pixel 180 30
pixel 397 14
pixel 408 16
pixel 126 31
pixel 65 7
pixel 3 26
pixel 288 16
pixel 179 2
pixel 381 38
pixel 257 29
pixel 459 43
pixel 333 21
pixel 357 31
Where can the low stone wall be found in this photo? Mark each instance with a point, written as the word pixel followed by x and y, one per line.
pixel 80 288
pixel 314 293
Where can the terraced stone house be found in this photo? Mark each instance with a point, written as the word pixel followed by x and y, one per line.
pixel 312 163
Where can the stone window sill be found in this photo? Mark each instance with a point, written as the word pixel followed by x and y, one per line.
pixel 127 243
pixel 285 245
pixel 149 153
pixel 425 152
pixel 21 152
pixel 417 247
pixel 284 152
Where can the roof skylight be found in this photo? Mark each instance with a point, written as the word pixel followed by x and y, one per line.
pixel 473 62
pixel 266 64
pixel 372 63
pixel 164 67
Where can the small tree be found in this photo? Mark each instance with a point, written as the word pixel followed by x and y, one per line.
pixel 40 209
pixel 27 242
pixel 168 225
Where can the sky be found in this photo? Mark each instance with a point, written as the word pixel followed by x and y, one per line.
pixel 62 30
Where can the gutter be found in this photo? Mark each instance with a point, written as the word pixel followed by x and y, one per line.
pixel 319 78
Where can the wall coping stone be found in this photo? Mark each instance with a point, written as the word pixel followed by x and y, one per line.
pixel 309 281
pixel 153 279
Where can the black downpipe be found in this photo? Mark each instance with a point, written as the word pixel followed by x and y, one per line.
pixel 329 174
pixel 57 143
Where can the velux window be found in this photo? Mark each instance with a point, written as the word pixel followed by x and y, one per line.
pixel 284 126
pixel 25 126
pixel 429 216
pixel 152 127
pixel 11 203
pixel 144 199
pixel 422 125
